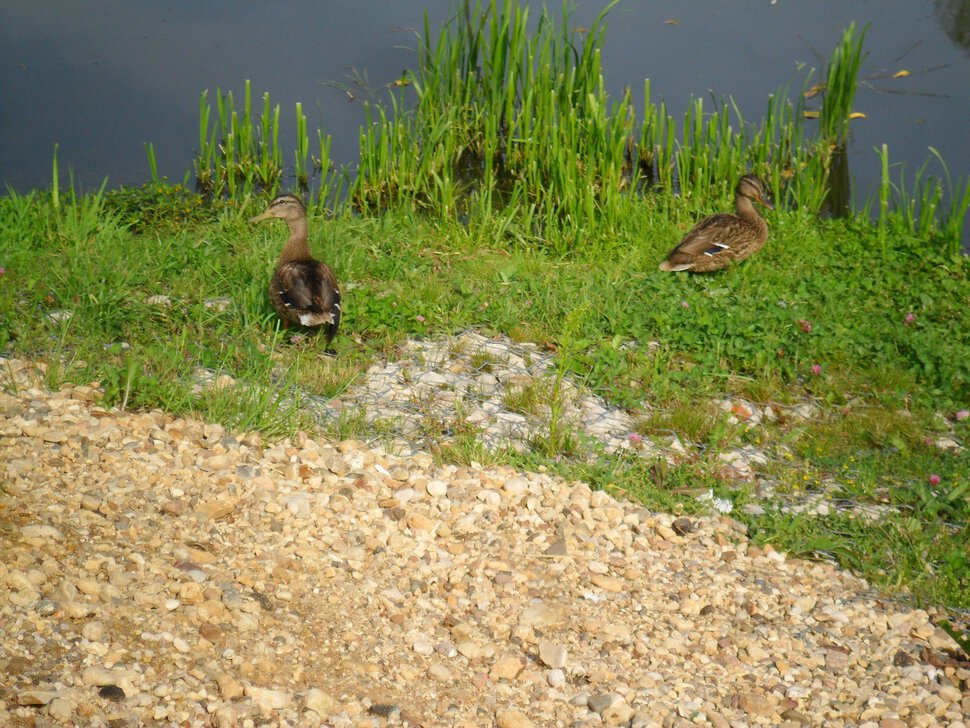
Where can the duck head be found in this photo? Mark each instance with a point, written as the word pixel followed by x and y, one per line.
pixel 285 207
pixel 754 189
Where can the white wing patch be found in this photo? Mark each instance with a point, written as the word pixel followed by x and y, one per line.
pixel 718 248
pixel 315 319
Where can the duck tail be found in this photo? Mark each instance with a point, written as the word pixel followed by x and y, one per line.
pixel 335 324
pixel 674 267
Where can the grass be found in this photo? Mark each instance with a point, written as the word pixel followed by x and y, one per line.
pixel 889 333
pixel 867 323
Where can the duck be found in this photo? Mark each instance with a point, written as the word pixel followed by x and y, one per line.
pixel 303 290
pixel 722 239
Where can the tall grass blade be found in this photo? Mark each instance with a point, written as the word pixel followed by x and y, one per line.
pixel 840 84
pixel 152 162
pixel 55 183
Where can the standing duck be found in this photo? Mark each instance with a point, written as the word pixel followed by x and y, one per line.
pixel 719 240
pixel 303 290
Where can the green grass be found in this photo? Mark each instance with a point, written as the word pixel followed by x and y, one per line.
pixel 889 332
pixel 555 243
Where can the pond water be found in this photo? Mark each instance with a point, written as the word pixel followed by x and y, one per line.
pixel 100 80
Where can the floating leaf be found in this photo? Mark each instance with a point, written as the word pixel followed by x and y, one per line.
pixel 814 90
pixel 901 74
pixel 671 21
pixel 857 115
pixel 811 114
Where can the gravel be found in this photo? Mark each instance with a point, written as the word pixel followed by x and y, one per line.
pixel 162 571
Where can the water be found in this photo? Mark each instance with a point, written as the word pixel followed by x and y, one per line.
pixel 100 80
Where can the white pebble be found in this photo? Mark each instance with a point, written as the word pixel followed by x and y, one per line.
pixel 437 488
pixel 180 645
pixel 556 678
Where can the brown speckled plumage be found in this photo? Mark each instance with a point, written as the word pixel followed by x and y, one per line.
pixel 719 240
pixel 303 290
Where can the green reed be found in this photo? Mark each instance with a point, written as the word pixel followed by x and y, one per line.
pixel 240 156
pixel 840 84
pixel 302 150
pixel 237 156
pixel 930 208
pixel 55 182
pixel 152 161
pixel 77 215
pixel 506 121
pixel 885 190
pixel 502 113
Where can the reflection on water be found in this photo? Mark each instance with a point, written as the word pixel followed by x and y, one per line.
pixel 954 18
pixel 839 194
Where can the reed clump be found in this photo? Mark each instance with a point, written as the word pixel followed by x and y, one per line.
pixel 506 121
pixel 839 84
pixel 239 156
pixel 503 117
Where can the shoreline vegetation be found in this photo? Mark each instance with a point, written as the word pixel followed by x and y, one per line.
pixel 500 189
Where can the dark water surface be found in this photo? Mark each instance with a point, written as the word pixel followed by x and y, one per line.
pixel 101 79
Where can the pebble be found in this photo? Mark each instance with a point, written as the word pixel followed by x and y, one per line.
pixel 512 719
pixel 439 672
pixel 221 303
pixel 437 488
pixel 60 709
pixel 267 700
pixel 99 676
pixel 36 697
pixel 608 583
pixel 506 668
pixel 619 713
pixel 598 702
pixel 203 577
pixel 112 692
pixel 755 704
pixel 229 687
pixel 552 654
pixel 93 631
pixel 469 649
pixel 320 702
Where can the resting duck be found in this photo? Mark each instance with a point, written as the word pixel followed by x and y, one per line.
pixel 719 240
pixel 303 290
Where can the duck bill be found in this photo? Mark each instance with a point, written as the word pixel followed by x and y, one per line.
pixel 762 200
pixel 260 217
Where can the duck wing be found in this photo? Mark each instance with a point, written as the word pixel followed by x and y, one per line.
pixel 308 291
pixel 711 236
